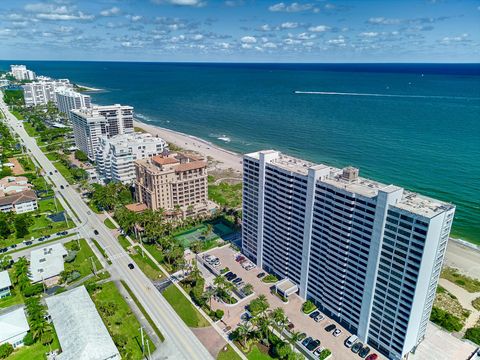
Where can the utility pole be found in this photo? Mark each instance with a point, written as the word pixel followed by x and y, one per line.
pixel 148 349
pixel 93 265
pixel 143 341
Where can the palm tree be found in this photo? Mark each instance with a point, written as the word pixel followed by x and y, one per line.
pixel 295 336
pixel 242 332
pixel 279 317
pixel 209 294
pixel 248 289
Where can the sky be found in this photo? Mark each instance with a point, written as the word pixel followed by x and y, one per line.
pixel 241 30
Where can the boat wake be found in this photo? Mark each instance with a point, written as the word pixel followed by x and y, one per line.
pixel 384 95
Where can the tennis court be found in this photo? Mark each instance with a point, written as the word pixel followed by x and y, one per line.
pixel 199 233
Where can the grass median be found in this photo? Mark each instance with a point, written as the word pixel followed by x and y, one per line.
pixel 184 308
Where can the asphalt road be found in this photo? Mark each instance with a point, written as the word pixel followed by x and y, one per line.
pixel 180 342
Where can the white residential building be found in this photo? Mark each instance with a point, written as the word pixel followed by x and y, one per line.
pixel 115 155
pixel 19 202
pixel 368 254
pixel 80 329
pixel 47 263
pixel 20 72
pixel 90 124
pixel 13 327
pixel 5 284
pixel 43 92
pixel 68 99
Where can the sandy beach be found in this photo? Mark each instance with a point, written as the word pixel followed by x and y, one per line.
pixel 220 158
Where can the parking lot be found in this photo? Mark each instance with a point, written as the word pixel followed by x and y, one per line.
pixel 302 322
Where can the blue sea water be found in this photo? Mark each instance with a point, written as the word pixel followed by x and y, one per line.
pixel 426 140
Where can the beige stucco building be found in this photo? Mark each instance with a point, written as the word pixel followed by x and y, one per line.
pixel 172 182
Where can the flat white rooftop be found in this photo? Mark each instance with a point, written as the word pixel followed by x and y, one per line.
pixel 12 324
pixel 412 202
pixel 4 280
pixel 47 262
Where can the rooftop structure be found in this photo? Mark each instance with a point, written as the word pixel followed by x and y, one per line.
pixel 114 156
pixel 20 72
pixel 47 262
pixel 20 202
pixel 13 184
pixel 13 327
pixel 172 182
pixel 91 124
pixel 67 99
pixel 80 329
pixel 367 254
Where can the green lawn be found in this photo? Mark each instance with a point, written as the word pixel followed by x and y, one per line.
pixel 18 115
pixel 123 241
pixel 27 163
pixel 49 205
pixel 36 351
pixel 226 194
pixel 230 354
pixel 102 251
pixel 147 265
pixel 155 252
pixel 62 169
pixel 108 223
pixel 52 156
pixel 470 284
pixel 13 299
pixel 82 262
pixel 120 323
pixel 189 314
pixel 256 354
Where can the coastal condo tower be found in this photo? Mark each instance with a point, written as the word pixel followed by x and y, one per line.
pixel 90 124
pixel 368 254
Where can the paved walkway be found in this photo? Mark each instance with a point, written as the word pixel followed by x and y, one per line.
pixel 465 298
pixel 210 339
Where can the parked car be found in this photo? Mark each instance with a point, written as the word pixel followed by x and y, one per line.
pixel 312 345
pixel 131 266
pixel 48 236
pixel 261 275
pixel 95 232
pixel 318 351
pixel 372 357
pixel 239 258
pixel 301 337
pixel 240 284
pixel 314 314
pixel 356 347
pixel 237 280
pixel 51 173
pixel 319 317
pixel 62 187
pixel 28 243
pixel 41 238
pixel 13 246
pixel 306 341
pixel 228 274
pixel 3 250
pixel 364 352
pixel 337 332
pixel 352 339
pixel 330 327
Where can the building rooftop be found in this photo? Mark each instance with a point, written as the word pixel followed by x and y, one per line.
pixel 18 198
pixel 137 207
pixel 80 329
pixel 12 323
pixel 348 179
pixel 4 280
pixel 47 262
pixel 172 162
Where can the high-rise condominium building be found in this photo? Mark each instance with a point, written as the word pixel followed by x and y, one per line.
pixel 42 92
pixel 172 182
pixel 115 156
pixel 368 254
pixel 20 72
pixel 68 99
pixel 90 124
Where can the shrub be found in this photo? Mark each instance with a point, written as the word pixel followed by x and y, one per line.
pixel 446 320
pixel 308 306
pixel 270 279
pixel 28 339
pixel 473 334
pixel 5 350
pixel 71 256
pixel 80 155
pixel 324 354
pixel 219 314
pixel 33 290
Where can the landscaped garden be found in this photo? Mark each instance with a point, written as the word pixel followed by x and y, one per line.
pixel 80 261
pixel 468 283
pixel 447 311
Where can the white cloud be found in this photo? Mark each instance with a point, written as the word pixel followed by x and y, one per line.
pixel 293 7
pixel 197 37
pixel 270 45
pixel 248 39
pixel 369 34
pixel 318 28
pixel 340 41
pixel 47 8
pixel 289 25
pixel 265 27
pixel 65 17
pixel 193 3
pixel 383 21
pixel 455 39
pixel 136 17
pixel 50 11
pixel 306 36
pixel 246 46
pixel 110 12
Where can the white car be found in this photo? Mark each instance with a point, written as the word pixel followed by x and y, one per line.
pixel 337 332
pixel 319 317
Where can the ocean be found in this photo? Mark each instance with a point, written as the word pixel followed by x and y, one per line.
pixel 413 125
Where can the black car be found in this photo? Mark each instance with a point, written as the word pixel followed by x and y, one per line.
pixel 306 341
pixel 47 236
pixel 330 327
pixel 62 187
pixel 3 250
pixel 356 347
pixel 51 173
pixel 131 266
pixel 56 171
pixel 312 345
pixel 13 246
pixel 237 280
pixel 95 232
pixel 231 277
pixel 228 274
pixel 41 239
pixel 314 314
pixel 262 274
pixel 28 243
pixel 364 352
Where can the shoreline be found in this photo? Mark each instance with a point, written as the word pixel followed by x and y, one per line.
pixel 223 159
pixel 87 88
